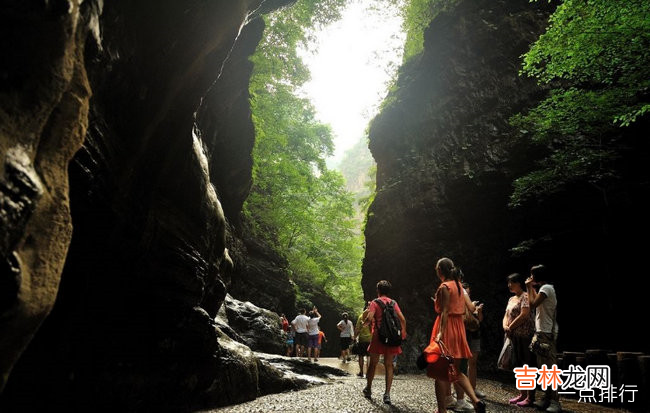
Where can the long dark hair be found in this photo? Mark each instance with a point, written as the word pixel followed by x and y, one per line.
pixel 449 271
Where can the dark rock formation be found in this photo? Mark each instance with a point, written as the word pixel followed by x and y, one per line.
pixel 445 167
pixel 132 328
pixel 260 275
pixel 260 329
pixel 44 97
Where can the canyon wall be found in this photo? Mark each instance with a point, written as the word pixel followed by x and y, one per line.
pixel 446 159
pixel 165 163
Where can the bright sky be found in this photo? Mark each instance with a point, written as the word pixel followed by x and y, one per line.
pixel 355 59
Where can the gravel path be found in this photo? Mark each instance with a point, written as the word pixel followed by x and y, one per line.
pixel 410 394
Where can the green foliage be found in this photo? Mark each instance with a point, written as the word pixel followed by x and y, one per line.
pixel 295 202
pixel 417 15
pixel 596 54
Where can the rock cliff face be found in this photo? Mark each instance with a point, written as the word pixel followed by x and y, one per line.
pixel 167 143
pixel 445 166
pixel 44 96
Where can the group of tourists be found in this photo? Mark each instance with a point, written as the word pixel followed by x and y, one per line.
pixel 532 336
pixel 456 331
pixel 529 324
pixel 304 336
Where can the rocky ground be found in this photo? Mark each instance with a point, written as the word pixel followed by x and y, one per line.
pixel 410 394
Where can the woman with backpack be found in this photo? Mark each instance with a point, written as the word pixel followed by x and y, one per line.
pixel 383 307
pixel 450 303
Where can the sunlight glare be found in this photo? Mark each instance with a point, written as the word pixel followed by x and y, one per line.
pixel 355 60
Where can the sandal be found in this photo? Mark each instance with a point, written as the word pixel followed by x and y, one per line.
pixel 517 399
pixel 525 403
pixel 366 392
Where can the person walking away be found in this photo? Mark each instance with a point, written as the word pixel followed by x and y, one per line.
pixel 346 328
pixel 312 331
pixel 544 343
pixel 300 325
pixel 291 334
pixel 321 337
pixel 450 303
pixel 362 336
pixel 518 325
pixel 374 317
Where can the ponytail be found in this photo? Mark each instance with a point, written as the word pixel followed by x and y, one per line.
pixel 450 271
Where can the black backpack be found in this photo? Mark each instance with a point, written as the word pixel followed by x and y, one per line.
pixel 390 329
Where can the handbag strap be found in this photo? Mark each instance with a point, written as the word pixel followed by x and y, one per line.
pixel 444 351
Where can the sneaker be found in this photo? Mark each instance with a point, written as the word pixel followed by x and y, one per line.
pixel 366 392
pixel 360 374
pixel 387 398
pixel 480 394
pixel 463 405
pixel 542 404
pixel 554 407
pixel 525 403
pixel 450 402
pixel 480 407
pixel 516 399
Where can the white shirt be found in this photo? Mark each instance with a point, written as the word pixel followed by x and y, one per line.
pixel 348 330
pixel 545 314
pixel 300 323
pixel 312 326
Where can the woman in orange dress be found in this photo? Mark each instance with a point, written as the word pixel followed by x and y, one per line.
pixel 450 305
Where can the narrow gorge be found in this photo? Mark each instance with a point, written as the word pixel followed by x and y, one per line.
pixel 130 279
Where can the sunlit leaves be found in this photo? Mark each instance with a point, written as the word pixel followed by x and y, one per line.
pixel 596 53
pixel 296 203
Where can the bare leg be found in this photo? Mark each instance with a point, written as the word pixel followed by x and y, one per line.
pixel 361 364
pixel 309 352
pixel 388 366
pixel 471 369
pixel 372 365
pixel 442 390
pixel 464 383
pixel 460 394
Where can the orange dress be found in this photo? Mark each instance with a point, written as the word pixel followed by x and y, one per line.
pixel 454 334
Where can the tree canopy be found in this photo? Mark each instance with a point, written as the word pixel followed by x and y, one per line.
pixel 595 55
pixel 295 202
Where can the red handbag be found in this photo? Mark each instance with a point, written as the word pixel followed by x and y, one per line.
pixel 441 362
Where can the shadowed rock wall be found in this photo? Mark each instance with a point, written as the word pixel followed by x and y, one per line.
pixel 446 160
pixel 168 140
pixel 44 96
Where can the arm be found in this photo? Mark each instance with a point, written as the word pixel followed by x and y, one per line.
pixel 402 321
pixel 470 305
pixel 534 299
pixel 479 312
pixel 370 316
pixel 443 296
pixel 525 312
